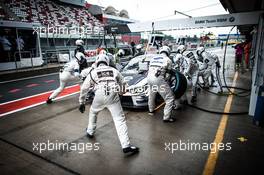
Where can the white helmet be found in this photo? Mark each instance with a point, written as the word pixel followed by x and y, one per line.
pixel 79 42
pixel 214 56
pixel 103 52
pixel 165 49
pixel 200 50
pixel 79 56
pixel 139 47
pixel 121 52
pixel 102 58
pixel 181 48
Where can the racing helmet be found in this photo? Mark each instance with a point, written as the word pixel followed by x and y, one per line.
pixel 214 56
pixel 103 52
pixel 200 50
pixel 79 42
pixel 165 49
pixel 102 58
pixel 139 47
pixel 121 53
pixel 181 48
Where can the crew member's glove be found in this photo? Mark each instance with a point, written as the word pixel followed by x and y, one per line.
pixel 83 78
pixel 218 65
pixel 187 76
pixel 82 108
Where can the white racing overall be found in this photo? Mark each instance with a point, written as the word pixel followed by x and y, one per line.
pixel 106 81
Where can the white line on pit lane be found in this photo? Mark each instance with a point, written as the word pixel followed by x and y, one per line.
pixel 20 79
pixel 37 104
pixel 34 95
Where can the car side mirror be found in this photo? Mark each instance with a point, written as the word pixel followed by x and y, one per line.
pixel 141 72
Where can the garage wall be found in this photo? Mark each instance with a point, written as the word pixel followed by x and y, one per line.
pixel 258 67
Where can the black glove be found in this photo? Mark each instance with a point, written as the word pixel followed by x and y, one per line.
pixel 218 65
pixel 82 108
pixel 83 78
pixel 188 77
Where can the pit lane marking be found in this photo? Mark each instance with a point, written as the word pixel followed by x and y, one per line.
pixel 49 81
pixel 32 85
pixel 20 79
pixel 212 158
pixel 34 100
pixel 14 90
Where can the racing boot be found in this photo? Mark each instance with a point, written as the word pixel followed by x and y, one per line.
pixel 49 101
pixel 193 99
pixel 170 120
pixel 131 149
pixel 90 136
pixel 151 113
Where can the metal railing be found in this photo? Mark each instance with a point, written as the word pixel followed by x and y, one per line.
pixel 20 56
pixel 54 56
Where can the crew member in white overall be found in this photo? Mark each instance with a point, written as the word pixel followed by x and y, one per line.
pixel 208 63
pixel 70 72
pixel 139 50
pixel 119 56
pixel 86 72
pixel 205 69
pixel 191 73
pixel 179 59
pixel 159 66
pixel 216 72
pixel 108 83
pixel 181 66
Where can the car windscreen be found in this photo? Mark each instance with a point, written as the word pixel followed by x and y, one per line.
pixel 128 51
pixel 133 64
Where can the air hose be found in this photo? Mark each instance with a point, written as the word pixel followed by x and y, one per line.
pixel 224 58
pixel 226 93
pixel 239 94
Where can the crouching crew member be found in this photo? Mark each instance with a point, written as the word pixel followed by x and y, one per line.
pixel 158 67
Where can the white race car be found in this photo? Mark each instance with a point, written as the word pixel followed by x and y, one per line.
pixel 135 73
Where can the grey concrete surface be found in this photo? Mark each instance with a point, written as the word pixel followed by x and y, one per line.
pixel 28 72
pixel 62 122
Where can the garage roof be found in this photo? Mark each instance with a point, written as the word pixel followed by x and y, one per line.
pixel 236 6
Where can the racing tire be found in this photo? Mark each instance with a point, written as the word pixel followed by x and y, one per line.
pixel 178 84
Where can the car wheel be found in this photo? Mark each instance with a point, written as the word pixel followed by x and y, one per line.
pixel 178 84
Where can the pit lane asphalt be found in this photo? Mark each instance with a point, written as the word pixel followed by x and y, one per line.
pixel 31 86
pixel 23 88
pixel 62 122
